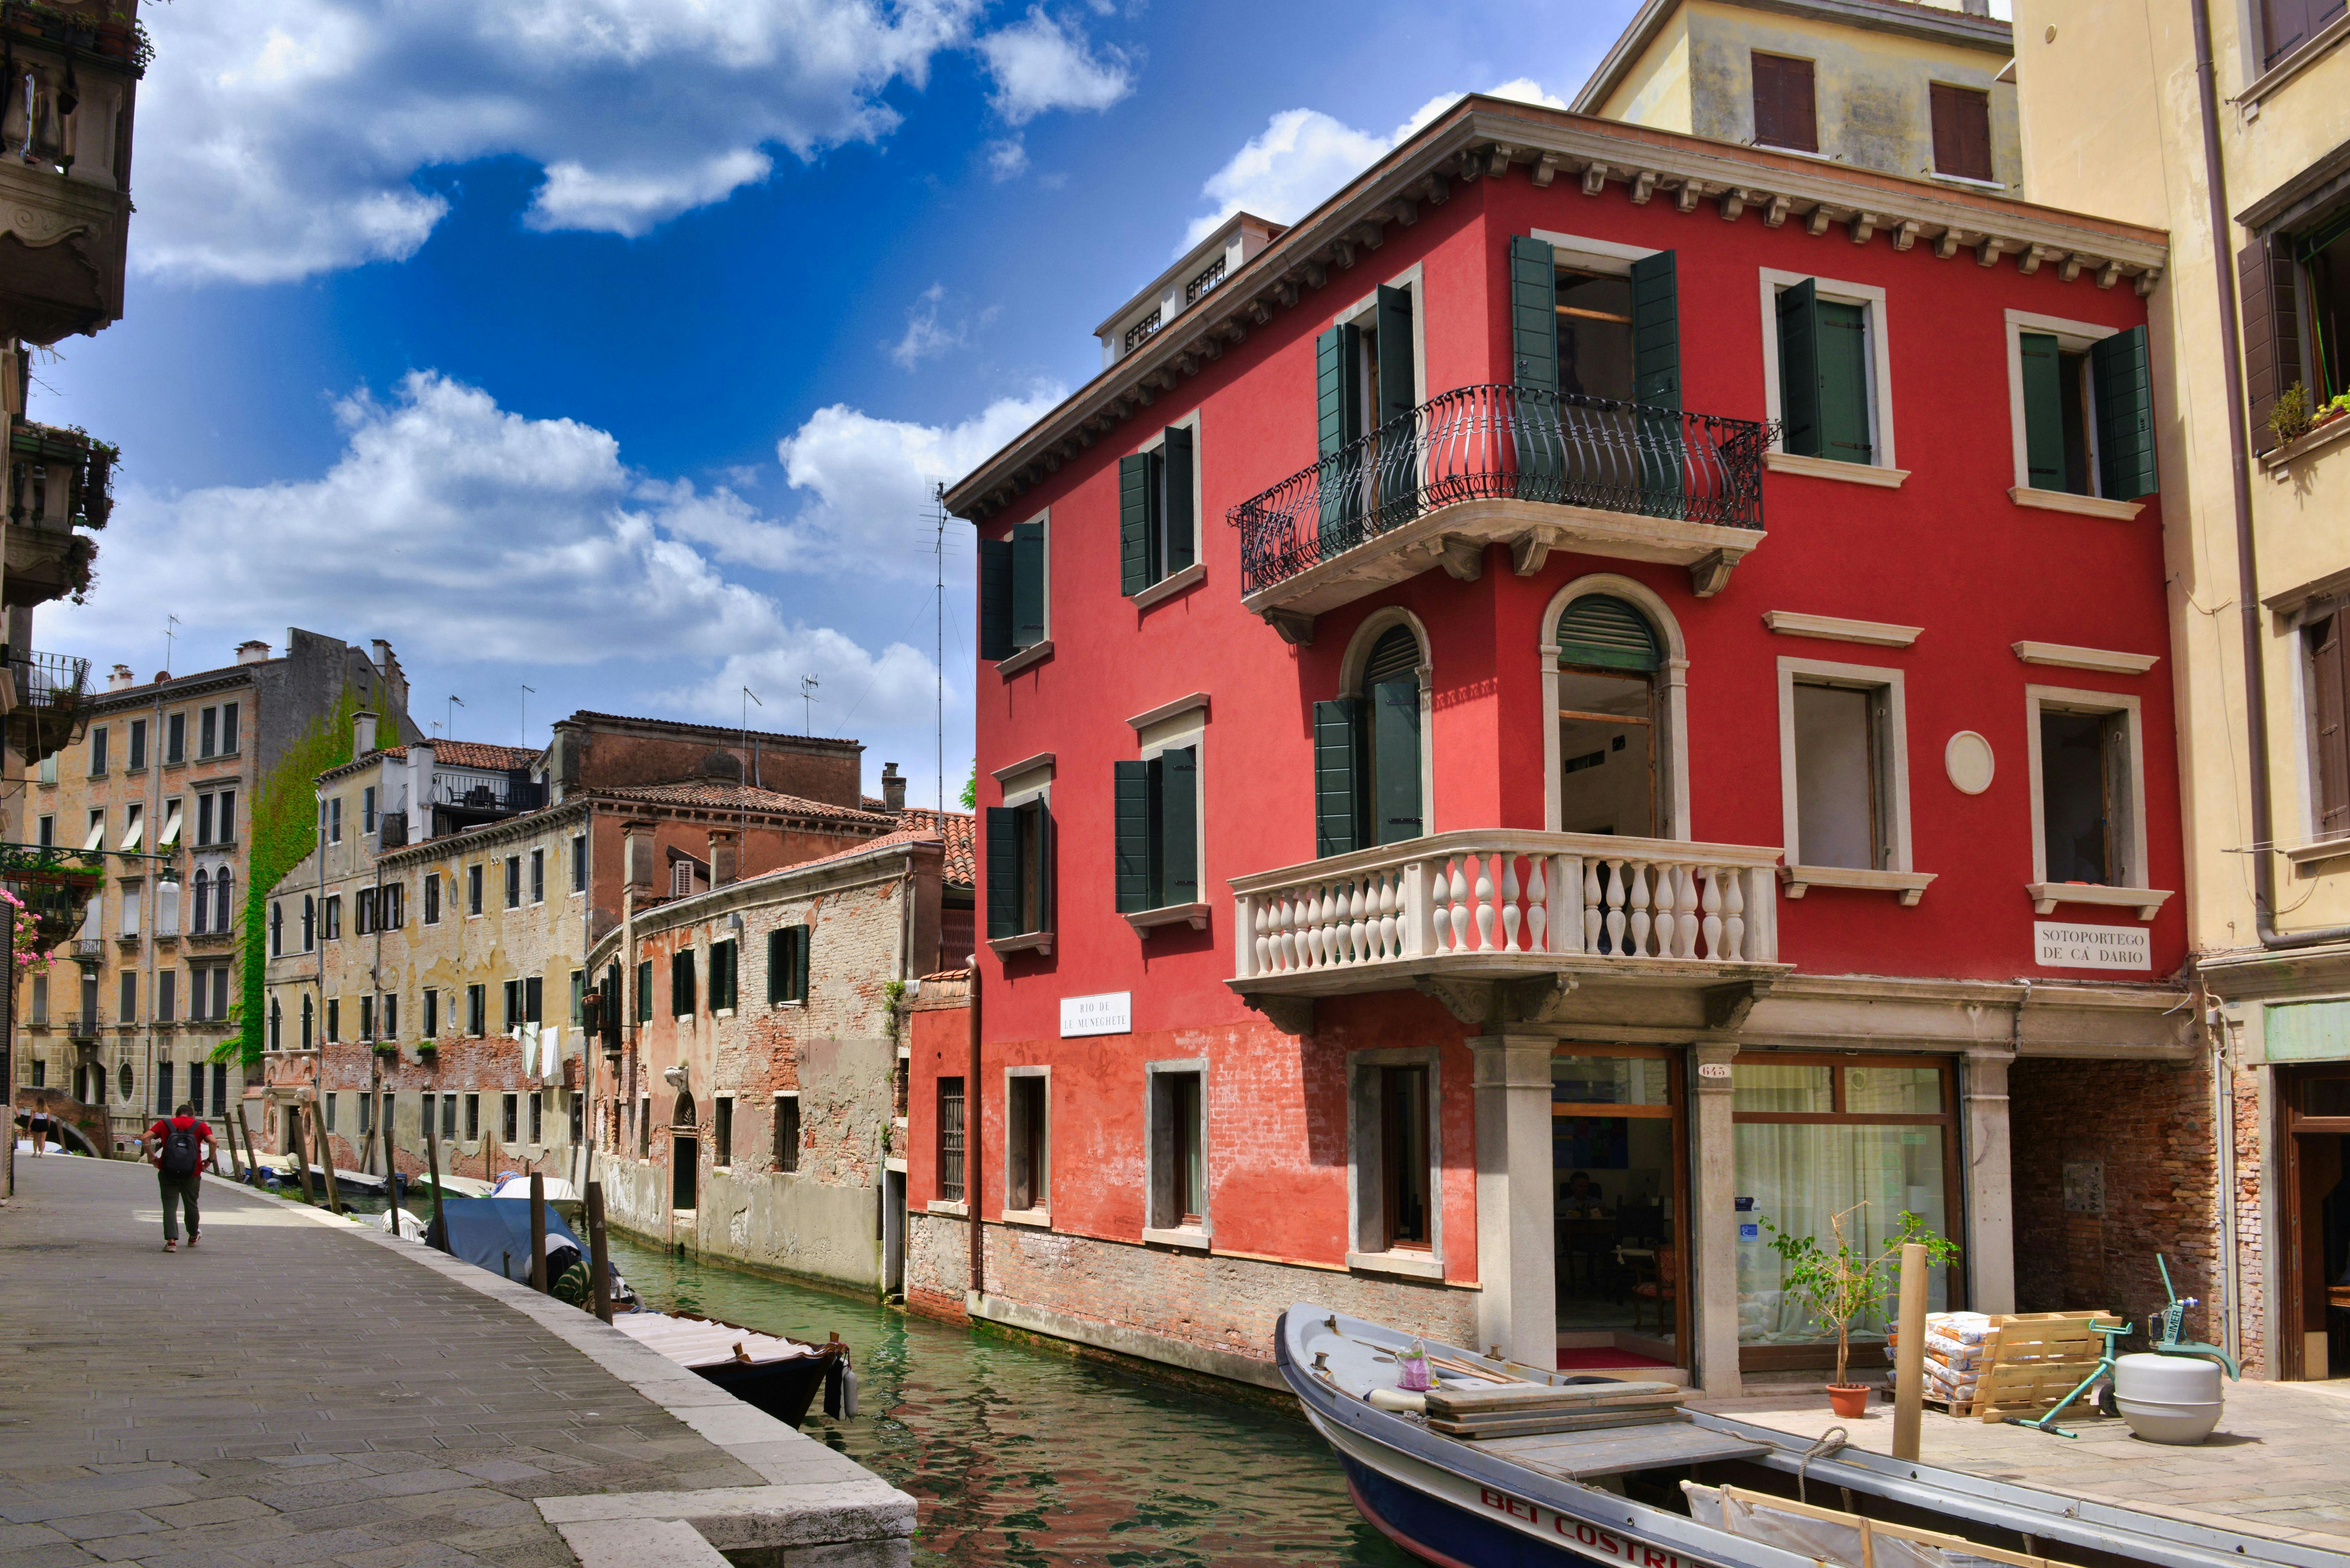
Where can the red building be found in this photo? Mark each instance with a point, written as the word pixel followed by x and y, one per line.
pixel 1596 695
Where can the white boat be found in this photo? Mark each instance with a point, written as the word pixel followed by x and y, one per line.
pixel 1502 1464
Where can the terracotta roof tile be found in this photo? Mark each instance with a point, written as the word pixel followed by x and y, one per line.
pixel 479 754
pixel 724 793
pixel 961 859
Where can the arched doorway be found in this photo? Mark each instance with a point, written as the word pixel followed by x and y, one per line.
pixel 1612 731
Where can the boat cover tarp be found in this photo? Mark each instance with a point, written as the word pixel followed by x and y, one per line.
pixel 493 1232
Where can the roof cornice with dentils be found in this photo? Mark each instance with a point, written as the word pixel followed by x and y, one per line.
pixel 1487 138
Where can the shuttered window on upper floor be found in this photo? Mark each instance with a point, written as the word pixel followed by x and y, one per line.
pixel 1158 513
pixel 1020 870
pixel 2326 640
pixel 1786 108
pixel 1824 376
pixel 1962 119
pixel 1157 808
pixel 1013 591
pixel 1367 752
pixel 2287 25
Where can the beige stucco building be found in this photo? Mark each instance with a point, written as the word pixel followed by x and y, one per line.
pixel 2115 119
pixel 1908 89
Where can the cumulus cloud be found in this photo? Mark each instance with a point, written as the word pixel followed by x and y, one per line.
pixel 1039 65
pixel 928 335
pixel 1007 159
pixel 279 138
pixel 1302 155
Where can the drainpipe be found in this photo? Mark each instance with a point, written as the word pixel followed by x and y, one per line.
pixel 2240 463
pixel 972 1140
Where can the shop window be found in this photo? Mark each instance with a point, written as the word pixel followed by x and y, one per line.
pixel 1786 109
pixel 787 1132
pixel 1027 1143
pixel 1369 752
pixel 951 1165
pixel 1178 1147
pixel 1814 1140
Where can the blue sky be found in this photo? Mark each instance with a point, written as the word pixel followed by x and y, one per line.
pixel 610 346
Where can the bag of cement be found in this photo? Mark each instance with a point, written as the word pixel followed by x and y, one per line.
pixel 1960 1327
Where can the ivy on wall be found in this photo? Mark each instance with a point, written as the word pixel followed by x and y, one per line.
pixel 285 830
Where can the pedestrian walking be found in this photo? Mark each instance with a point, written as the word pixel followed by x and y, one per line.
pixel 181 1143
pixel 36 1124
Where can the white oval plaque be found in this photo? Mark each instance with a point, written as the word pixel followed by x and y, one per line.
pixel 1968 760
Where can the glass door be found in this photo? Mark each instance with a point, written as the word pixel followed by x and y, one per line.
pixel 1619 1158
pixel 1866 1138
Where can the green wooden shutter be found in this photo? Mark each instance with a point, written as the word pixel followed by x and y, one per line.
pixel 1178 518
pixel 1338 387
pixel 995 599
pixel 1134 530
pixel 1398 481
pixel 2123 375
pixel 1131 809
pixel 1799 369
pixel 1843 382
pixel 779 972
pixel 1179 826
pixel 1335 830
pixel 1027 584
pixel 1603 632
pixel 1534 314
pixel 1655 332
pixel 801 947
pixel 1003 871
pixel 2043 410
pixel 1046 866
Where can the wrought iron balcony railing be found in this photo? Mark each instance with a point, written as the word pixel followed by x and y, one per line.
pixel 1487 442
pixel 508 795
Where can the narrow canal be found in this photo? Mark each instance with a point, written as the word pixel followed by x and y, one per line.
pixel 1021 1455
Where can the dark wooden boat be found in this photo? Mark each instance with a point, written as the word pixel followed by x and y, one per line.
pixel 781 1376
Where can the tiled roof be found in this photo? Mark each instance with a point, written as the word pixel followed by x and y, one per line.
pixel 719 734
pixel 722 795
pixel 481 754
pixel 948 974
pixel 955 828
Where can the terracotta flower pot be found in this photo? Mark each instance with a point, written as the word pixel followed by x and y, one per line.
pixel 1849 1400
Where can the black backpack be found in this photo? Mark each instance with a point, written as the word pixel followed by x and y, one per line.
pixel 179 1151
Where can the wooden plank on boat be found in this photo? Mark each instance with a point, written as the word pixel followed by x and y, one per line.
pixel 1618 1451
pixel 1535 1423
pixel 1565 1396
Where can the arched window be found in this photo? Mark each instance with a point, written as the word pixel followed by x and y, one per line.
pixel 201 905
pixel 683 1116
pixel 220 901
pixel 1367 752
pixel 305 1021
pixel 1611 720
pixel 276 1026
pixel 276 930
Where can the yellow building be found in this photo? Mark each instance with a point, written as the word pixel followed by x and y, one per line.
pixel 1905 88
pixel 2246 163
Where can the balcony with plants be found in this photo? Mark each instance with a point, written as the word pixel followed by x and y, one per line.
pixel 59 491
pixel 1492 464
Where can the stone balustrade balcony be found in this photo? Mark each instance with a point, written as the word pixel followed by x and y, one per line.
pixel 65 164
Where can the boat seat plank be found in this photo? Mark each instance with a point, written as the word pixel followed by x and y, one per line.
pixel 1575 1455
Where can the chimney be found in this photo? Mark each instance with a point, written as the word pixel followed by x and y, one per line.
pixel 893 788
pixel 253 652
pixel 638 840
pixel 1975 7
pixel 161 676
pixel 721 857
pixel 121 680
pixel 362 732
pixel 382 653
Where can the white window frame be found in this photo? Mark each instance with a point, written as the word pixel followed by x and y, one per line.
pixel 1039 1215
pixel 1357 658
pixel 1026 781
pixel 1676 704
pixel 2046 894
pixel 732 1131
pixel 774 1115
pixel 1190 1238
pixel 1041 649
pixel 2073 337
pixel 1882 469
pixel 1173 583
pixel 1364 1184
pixel 1901 877
pixel 1411 281
pixel 1177 724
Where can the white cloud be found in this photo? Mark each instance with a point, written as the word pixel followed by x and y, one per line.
pixel 1289 168
pixel 1039 65
pixel 927 336
pixel 279 138
pixel 1006 159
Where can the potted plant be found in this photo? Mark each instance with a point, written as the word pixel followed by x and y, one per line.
pixel 427 1048
pixel 1840 1284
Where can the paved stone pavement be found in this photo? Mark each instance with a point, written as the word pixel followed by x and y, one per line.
pixel 2278 1464
pixel 285 1395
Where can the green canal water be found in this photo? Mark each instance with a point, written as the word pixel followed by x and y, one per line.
pixel 1022 1456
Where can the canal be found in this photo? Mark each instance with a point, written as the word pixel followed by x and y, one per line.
pixel 1023 1455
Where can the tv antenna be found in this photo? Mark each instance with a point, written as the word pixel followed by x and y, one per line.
pixel 455 702
pixel 808 683
pixel 524 739
pixel 171 630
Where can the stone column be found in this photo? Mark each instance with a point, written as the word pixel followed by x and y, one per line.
pixel 1713 1228
pixel 1517 1264
pixel 1990 1184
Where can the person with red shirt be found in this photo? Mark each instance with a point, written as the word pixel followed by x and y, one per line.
pixel 178 1148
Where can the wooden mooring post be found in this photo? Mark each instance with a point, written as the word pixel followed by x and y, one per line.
pixel 538 1232
pixel 433 1164
pixel 326 1157
pixel 299 1137
pixel 599 1256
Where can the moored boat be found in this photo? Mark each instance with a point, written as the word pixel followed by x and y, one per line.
pixel 1501 1464
pixel 774 1374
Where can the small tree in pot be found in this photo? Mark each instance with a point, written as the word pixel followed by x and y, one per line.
pixel 1839 1284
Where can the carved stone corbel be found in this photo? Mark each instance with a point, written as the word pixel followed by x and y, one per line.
pixel 2110 274
pixel 1644 185
pixel 1464 558
pixel 1905 234
pixel 1295 629
pixel 1774 213
pixel 1545 169
pixel 1821 217
pixel 2148 281
pixel 1595 179
pixel 1727 1006
pixel 1987 253
pixel 1499 163
pixel 1709 573
pixel 1863 224
pixel 1733 202
pixel 1690 193
pixel 1439 190
pixel 1947 244
pixel 1541 1000
pixel 2072 266
pixel 1407 212
pixel 1292 1015
pixel 1316 274
pixel 1530 549
pixel 1470 1000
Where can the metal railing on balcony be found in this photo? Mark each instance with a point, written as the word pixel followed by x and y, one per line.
pixel 1487 442
pixel 1497 898
pixel 481 795
pixel 82 1026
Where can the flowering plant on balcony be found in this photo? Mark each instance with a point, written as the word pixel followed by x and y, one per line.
pixel 26 945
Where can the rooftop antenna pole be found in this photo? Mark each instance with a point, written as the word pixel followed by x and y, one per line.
pixel 743 845
pixel 808 684
pixel 170 628
pixel 525 741
pixel 938 496
pixel 455 702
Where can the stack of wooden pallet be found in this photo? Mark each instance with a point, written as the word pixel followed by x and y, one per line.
pixel 2032 1360
pixel 1529 1409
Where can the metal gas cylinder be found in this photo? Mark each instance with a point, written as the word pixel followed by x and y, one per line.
pixel 2167 1398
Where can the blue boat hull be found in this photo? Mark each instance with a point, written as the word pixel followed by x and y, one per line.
pixel 1433 1530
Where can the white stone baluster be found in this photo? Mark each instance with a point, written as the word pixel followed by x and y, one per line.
pixel 1537 905
pixel 1615 895
pixel 1713 912
pixel 1485 904
pixel 1388 947
pixel 1595 904
pixel 1510 914
pixel 1357 925
pixel 1667 924
pixel 1566 885
pixel 1639 904
pixel 1418 918
pixel 1733 925
pixel 1460 894
pixel 1685 880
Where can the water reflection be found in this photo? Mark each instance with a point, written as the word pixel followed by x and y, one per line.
pixel 1025 1457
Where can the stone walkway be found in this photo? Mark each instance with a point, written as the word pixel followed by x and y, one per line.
pixel 2278 1464
pixel 297 1391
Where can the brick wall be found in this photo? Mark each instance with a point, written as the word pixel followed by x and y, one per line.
pixel 2251 1239
pixel 2147 1126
